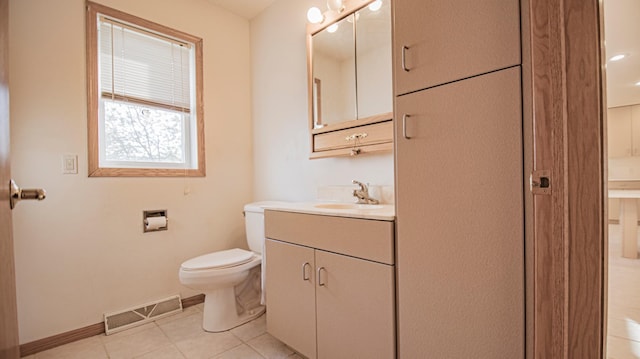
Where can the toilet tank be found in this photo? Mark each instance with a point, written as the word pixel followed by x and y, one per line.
pixel 254 224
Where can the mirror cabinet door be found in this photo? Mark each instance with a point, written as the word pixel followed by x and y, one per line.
pixel 373 56
pixel 334 74
pixel 350 80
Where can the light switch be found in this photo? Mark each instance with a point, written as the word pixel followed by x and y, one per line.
pixel 69 164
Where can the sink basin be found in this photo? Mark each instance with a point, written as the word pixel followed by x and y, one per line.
pixel 347 206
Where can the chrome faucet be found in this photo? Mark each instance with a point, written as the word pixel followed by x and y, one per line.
pixel 362 194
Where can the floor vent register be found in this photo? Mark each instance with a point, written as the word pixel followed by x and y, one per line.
pixel 125 319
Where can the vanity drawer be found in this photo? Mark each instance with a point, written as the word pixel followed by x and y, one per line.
pixel 377 133
pixel 361 238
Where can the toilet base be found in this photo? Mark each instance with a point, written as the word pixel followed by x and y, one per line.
pixel 220 312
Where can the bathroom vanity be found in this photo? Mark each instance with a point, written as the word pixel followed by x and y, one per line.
pixel 330 280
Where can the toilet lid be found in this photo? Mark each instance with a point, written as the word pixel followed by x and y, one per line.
pixel 221 259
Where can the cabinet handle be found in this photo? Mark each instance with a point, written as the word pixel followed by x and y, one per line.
pixel 404 58
pixel 320 282
pixel 404 126
pixel 305 277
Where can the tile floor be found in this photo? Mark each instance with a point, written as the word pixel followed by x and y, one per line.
pixel 623 326
pixel 181 335
pixel 178 336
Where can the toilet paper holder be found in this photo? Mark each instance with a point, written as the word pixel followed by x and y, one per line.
pixel 155 220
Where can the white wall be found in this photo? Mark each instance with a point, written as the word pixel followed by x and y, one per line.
pixel 81 252
pixel 282 169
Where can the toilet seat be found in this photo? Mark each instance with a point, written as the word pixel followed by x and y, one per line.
pixel 219 260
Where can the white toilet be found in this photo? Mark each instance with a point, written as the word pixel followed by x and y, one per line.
pixel 230 279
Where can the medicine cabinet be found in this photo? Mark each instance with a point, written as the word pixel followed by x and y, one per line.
pixel 349 80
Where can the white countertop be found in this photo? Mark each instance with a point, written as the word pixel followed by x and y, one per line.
pixel 386 213
pixel 624 193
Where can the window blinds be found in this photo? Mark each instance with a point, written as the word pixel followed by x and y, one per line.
pixel 142 67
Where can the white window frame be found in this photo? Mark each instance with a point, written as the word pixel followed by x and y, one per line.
pixel 194 164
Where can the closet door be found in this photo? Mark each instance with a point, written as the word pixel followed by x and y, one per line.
pixel 460 243
pixel 442 41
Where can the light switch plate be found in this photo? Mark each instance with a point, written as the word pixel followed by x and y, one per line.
pixel 69 164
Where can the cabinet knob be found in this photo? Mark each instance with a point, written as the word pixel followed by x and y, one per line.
pixel 320 282
pixel 305 276
pixel 404 58
pixel 404 126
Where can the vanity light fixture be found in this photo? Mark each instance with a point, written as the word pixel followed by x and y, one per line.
pixel 315 15
pixel 617 57
pixel 335 5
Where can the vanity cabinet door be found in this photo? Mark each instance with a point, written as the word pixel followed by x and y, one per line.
pixel 355 307
pixel 459 207
pixel 443 41
pixel 619 121
pixel 623 128
pixel 290 283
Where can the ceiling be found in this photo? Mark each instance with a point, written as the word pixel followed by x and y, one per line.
pixel 245 8
pixel 621 29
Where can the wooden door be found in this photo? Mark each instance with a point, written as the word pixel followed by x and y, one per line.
pixel 460 240
pixel 567 64
pixel 290 291
pixel 8 309
pixel 355 307
pixel 443 41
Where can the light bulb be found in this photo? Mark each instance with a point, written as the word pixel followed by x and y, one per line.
pixel 335 5
pixel 314 15
pixel 637 83
pixel 376 5
pixel 332 28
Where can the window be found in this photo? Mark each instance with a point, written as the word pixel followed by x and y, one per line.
pixel 144 82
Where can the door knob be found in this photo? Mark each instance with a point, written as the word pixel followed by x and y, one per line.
pixel 16 194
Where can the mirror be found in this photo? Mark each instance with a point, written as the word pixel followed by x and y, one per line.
pixel 373 67
pixel 350 83
pixel 334 74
